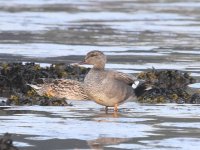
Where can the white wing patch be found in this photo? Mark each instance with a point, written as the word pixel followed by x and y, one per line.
pixel 135 84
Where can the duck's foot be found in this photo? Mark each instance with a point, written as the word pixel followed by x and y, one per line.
pixel 116 108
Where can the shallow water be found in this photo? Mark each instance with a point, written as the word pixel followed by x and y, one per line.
pixel 85 125
pixel 136 35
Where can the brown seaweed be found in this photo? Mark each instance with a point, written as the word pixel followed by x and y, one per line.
pixel 6 143
pixel 167 86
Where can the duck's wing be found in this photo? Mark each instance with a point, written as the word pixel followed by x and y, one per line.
pixel 127 78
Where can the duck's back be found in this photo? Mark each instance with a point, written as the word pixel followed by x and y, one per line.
pixel 62 88
pixel 104 88
pixel 69 89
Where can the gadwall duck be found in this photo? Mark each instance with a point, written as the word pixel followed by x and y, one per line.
pixel 61 88
pixel 106 87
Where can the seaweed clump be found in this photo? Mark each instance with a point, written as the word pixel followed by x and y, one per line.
pixel 14 78
pixel 166 86
pixel 35 99
pixel 195 98
pixel 6 143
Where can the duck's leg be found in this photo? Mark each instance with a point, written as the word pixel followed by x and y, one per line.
pixel 116 107
pixel 106 109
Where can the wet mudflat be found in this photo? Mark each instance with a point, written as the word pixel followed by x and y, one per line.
pixel 136 35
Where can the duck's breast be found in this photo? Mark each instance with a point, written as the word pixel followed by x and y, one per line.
pixel 105 90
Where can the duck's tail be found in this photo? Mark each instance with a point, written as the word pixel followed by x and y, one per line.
pixel 141 87
pixel 35 87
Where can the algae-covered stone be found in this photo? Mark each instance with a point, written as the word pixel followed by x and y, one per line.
pixel 167 78
pixel 167 86
pixel 6 143
pixel 195 99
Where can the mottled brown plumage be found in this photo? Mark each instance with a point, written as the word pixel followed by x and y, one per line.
pixel 62 88
pixel 106 87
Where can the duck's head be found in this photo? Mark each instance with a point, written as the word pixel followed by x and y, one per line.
pixel 95 58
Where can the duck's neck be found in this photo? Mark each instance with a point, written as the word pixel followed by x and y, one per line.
pixel 99 66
